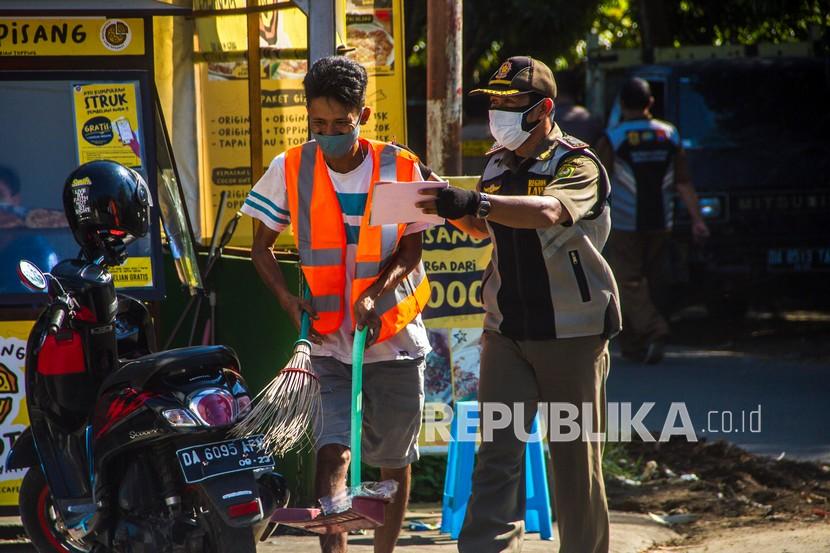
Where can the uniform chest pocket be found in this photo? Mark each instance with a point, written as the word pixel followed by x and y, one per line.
pixel 579 274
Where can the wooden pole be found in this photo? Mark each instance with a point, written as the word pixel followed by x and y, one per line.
pixel 254 94
pixel 444 93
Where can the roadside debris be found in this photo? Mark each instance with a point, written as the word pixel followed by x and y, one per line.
pixel 686 483
pixel 421 526
pixel 670 520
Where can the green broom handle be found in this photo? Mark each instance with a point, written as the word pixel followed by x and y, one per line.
pixel 357 402
pixel 305 321
pixel 305 325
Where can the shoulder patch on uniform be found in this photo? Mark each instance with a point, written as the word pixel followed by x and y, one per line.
pixel 566 169
pixel 496 147
pixel 571 142
pixel 570 164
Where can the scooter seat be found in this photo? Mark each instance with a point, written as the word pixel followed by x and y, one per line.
pixel 138 372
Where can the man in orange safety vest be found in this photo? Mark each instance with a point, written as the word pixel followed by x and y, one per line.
pixel 359 275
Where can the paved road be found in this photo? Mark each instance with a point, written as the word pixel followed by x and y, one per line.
pixel 630 533
pixel 719 387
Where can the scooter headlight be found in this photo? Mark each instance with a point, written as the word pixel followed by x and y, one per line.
pixel 214 407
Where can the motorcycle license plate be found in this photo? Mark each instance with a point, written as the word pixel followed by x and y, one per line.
pixel 211 460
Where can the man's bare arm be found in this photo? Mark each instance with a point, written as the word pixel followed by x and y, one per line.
pixel 686 191
pixel 688 194
pixel 403 261
pixel 269 271
pixel 513 211
pixel 473 226
pixel 527 212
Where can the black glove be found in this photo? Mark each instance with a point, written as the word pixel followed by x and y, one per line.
pixel 455 203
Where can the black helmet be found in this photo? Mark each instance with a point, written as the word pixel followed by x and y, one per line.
pixel 107 206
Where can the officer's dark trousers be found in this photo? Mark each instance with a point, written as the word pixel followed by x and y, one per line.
pixel 569 370
pixel 639 262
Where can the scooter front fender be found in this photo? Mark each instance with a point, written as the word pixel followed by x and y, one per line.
pixel 23 454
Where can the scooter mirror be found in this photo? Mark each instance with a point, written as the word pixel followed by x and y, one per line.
pixel 31 276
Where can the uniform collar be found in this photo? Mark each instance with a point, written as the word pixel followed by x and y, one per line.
pixel 548 145
pixel 543 151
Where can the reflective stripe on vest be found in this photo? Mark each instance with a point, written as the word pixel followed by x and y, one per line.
pixel 317 220
pixel 399 306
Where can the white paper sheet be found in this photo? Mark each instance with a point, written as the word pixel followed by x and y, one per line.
pixel 394 203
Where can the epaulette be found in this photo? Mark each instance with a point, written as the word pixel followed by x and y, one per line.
pixel 496 147
pixel 571 142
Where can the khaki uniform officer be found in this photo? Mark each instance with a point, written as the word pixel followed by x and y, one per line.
pixel 551 305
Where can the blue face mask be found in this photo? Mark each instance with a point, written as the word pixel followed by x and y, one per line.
pixel 337 145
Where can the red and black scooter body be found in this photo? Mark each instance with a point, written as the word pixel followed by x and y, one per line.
pixel 134 443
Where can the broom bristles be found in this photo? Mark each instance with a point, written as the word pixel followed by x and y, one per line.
pixel 285 409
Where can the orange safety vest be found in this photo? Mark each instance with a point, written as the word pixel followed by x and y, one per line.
pixel 317 222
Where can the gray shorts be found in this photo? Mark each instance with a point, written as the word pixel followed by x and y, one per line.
pixel 393 400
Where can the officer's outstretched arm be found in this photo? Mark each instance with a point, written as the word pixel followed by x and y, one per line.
pixel 471 225
pixel 527 211
pixel 457 205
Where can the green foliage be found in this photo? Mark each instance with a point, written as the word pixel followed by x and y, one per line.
pixel 494 29
pixel 428 478
pixel 616 462
pixel 615 24
pixel 715 22
pixel 369 474
pixel 555 31
pixel 428 472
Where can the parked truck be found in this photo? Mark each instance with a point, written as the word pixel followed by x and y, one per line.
pixel 754 122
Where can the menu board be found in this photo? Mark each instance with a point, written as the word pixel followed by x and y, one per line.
pixel 374 31
pixel 58 125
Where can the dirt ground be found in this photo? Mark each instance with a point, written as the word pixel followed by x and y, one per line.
pixel 717 480
pixel 718 497
pixel 721 498
pixel 769 538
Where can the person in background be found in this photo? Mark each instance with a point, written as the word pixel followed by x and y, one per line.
pixel 550 305
pixel 16 242
pixel 647 166
pixel 359 276
pixel 572 118
pixel 12 214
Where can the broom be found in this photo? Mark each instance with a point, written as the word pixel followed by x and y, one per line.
pixel 289 404
pixel 360 506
